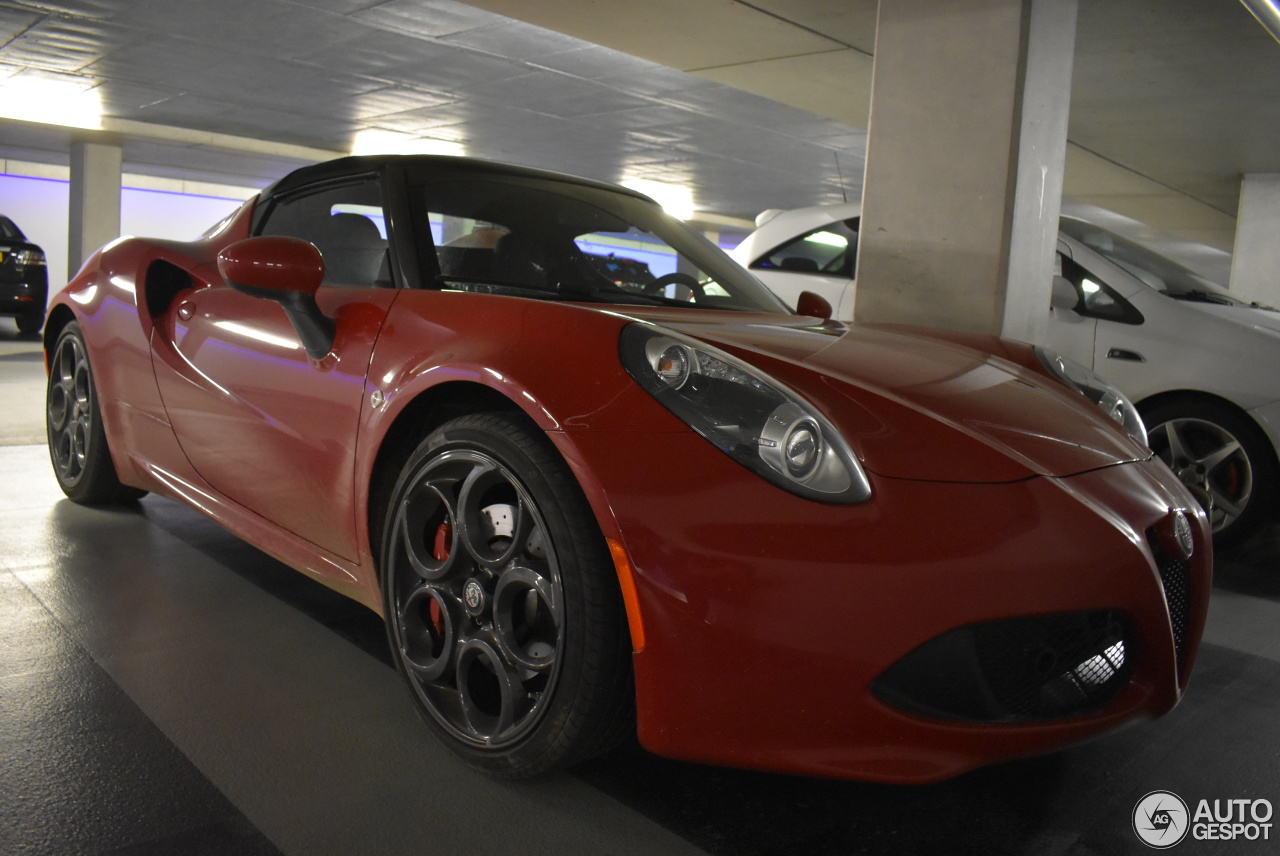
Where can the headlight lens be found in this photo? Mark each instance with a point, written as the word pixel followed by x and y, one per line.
pixel 30 258
pixel 1092 386
pixel 749 416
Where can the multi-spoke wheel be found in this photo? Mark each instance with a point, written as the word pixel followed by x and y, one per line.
pixel 77 443
pixel 502 609
pixel 1222 457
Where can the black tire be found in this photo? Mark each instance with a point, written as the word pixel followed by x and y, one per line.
pixel 30 323
pixel 73 421
pixel 1223 456
pixel 502 608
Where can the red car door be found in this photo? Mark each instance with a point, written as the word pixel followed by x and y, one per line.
pixel 264 424
pixel 261 422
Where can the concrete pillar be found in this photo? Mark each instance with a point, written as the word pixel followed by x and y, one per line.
pixel 965 152
pixel 1255 262
pixel 94 200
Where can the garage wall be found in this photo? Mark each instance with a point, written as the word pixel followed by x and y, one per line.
pixel 39 205
pixel 39 208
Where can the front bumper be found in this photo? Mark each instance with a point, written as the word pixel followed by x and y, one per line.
pixel 1268 416
pixel 770 619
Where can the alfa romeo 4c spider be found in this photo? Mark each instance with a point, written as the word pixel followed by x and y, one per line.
pixel 586 505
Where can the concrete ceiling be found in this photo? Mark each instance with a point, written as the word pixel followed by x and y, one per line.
pixel 1172 101
pixel 751 104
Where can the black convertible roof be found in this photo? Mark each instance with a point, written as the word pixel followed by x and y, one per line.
pixel 436 164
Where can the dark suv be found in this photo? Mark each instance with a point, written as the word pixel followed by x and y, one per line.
pixel 24 279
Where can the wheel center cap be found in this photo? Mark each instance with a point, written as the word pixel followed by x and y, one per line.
pixel 1192 476
pixel 473 596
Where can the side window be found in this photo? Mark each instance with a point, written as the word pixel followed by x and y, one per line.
pixel 1096 298
pixel 829 250
pixel 467 248
pixel 347 224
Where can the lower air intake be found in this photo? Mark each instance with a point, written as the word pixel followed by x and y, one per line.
pixel 1017 670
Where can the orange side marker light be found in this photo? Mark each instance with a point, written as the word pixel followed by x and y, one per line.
pixel 630 599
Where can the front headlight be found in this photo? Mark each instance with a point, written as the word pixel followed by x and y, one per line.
pixel 747 415
pixel 1092 386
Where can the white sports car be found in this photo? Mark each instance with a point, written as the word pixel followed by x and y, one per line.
pixel 1199 363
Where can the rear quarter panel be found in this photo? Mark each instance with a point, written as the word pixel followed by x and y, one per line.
pixel 110 300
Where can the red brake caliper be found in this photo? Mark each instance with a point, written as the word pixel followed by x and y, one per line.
pixel 444 540
pixel 440 549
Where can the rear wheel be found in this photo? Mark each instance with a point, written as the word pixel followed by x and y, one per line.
pixel 1223 457
pixel 73 422
pixel 30 322
pixel 502 609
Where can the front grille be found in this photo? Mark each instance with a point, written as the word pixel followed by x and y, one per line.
pixel 1175 579
pixel 1016 670
pixel 1175 575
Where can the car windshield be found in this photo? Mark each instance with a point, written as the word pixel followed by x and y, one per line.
pixel 557 240
pixel 1152 269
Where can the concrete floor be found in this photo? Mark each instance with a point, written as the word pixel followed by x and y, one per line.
pixel 166 689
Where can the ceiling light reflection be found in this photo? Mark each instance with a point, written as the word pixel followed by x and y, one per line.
pixel 828 239
pixel 69 103
pixel 124 284
pixel 675 199
pixel 1268 14
pixel 374 141
pixel 238 329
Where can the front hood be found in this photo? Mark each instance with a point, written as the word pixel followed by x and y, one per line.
pixel 1256 318
pixel 917 407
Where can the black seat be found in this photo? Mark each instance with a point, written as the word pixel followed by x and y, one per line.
pixel 355 253
pixel 520 259
pixel 799 263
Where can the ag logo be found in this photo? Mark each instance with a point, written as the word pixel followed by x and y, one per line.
pixel 1160 819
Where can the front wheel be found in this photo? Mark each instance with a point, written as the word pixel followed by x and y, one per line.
pixel 73 421
pixel 1223 457
pixel 502 610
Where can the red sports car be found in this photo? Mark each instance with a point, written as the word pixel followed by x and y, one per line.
pixel 757 538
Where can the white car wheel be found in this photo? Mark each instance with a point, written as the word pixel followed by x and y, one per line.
pixel 1222 457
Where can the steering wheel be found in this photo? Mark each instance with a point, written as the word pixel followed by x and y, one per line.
pixel 675 278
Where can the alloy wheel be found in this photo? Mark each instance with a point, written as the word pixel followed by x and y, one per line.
pixel 476 598
pixel 1209 460
pixel 70 410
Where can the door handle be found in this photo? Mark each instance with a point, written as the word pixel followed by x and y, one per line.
pixel 1127 355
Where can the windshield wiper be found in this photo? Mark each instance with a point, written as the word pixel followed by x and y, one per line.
pixel 1200 296
pixel 567 293
pixel 488 285
pixel 644 297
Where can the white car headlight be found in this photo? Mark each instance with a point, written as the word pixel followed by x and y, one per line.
pixel 1092 386
pixel 747 415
